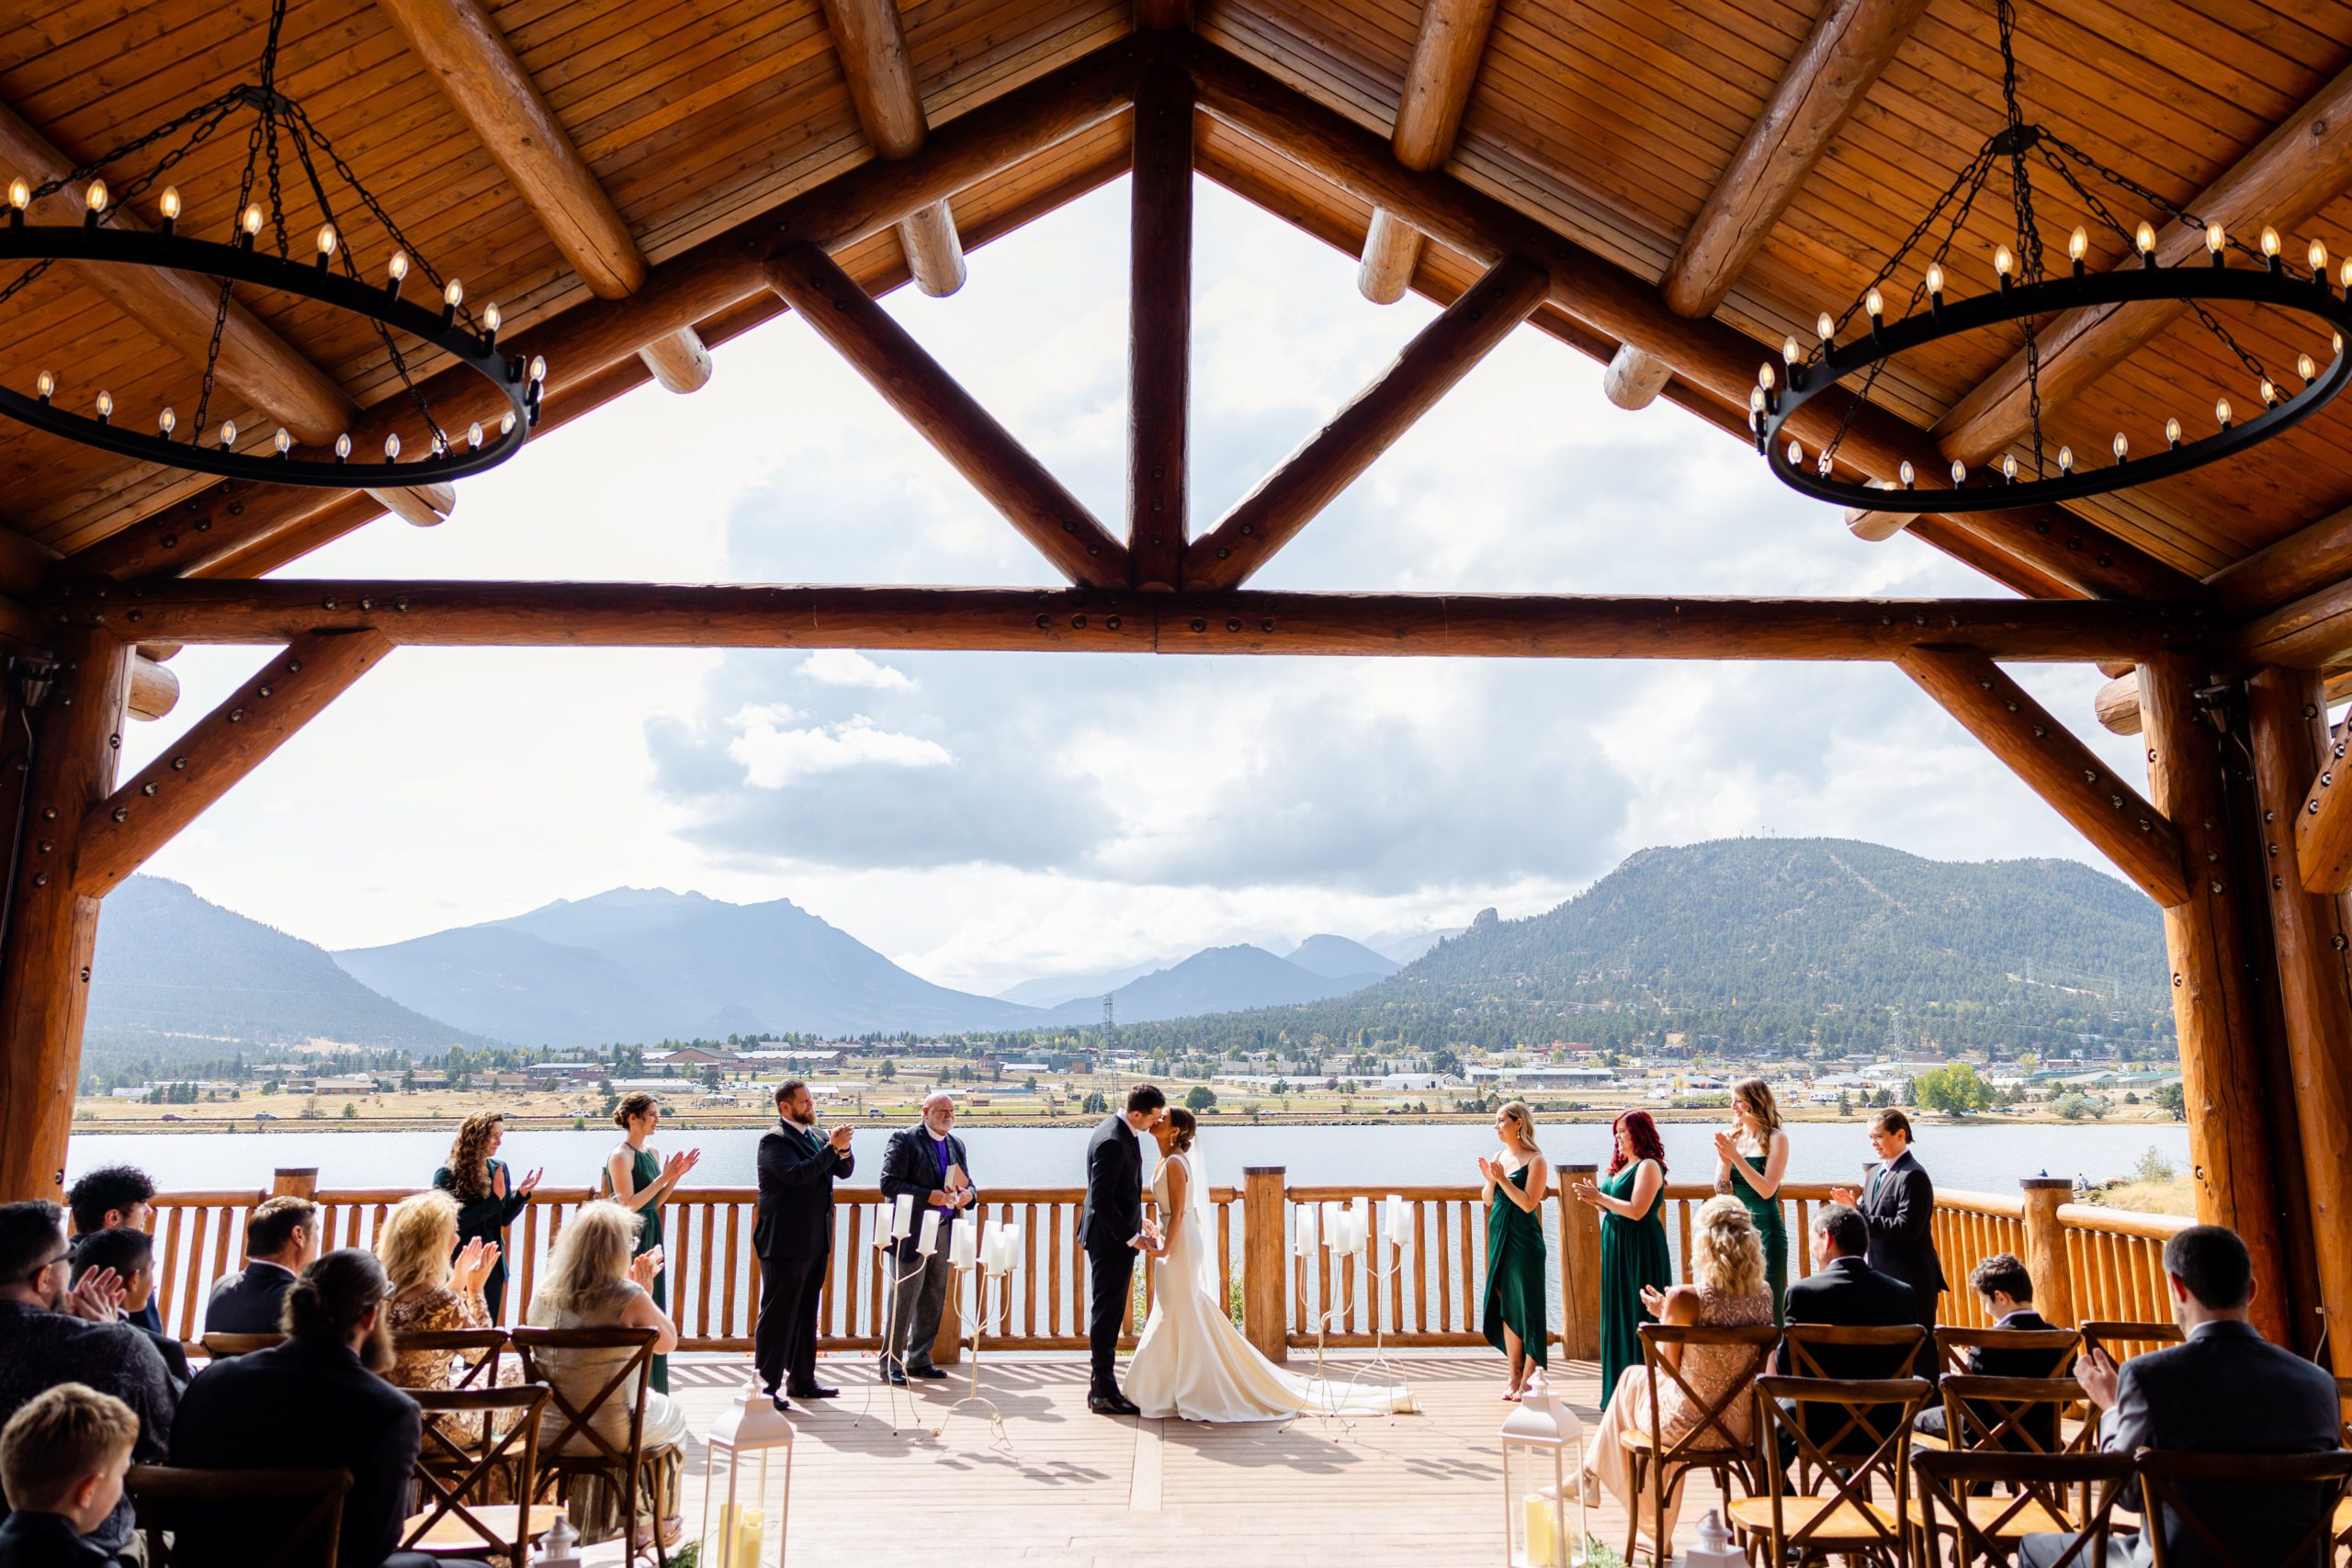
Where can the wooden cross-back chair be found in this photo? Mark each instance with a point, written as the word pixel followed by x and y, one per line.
pixel 1955 1345
pixel 1991 1531
pixel 2021 1417
pixel 2177 1491
pixel 166 1496
pixel 222 1347
pixel 1898 1348
pixel 1833 1507
pixel 451 1475
pixel 2122 1341
pixel 474 1350
pixel 1710 1444
pixel 621 1466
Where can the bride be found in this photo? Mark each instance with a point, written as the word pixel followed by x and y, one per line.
pixel 1191 1361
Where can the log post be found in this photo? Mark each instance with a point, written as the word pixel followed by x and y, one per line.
pixel 1159 326
pixel 2313 935
pixel 2045 1247
pixel 2215 1011
pixel 1579 1267
pixel 948 1345
pixel 1265 1266
pixel 53 928
pixel 295 1181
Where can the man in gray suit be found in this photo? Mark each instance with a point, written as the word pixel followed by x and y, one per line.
pixel 2226 1390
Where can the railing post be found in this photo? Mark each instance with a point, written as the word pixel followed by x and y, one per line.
pixel 948 1345
pixel 2045 1247
pixel 295 1181
pixel 1265 1272
pixel 1579 1269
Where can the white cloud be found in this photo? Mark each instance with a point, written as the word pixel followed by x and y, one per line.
pixel 846 667
pixel 773 758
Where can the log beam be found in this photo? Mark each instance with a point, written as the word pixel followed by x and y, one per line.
pixel 2118 703
pixel 2322 816
pixel 1850 44
pixel 2293 172
pixel 2304 562
pixel 120 833
pixel 1707 353
pixel 53 926
pixel 178 309
pixel 1311 477
pixel 154 690
pixel 584 342
pixel 2067 773
pixel 485 80
pixel 951 419
pixel 1444 68
pixel 2312 633
pixel 872 45
pixel 2214 1009
pixel 634 615
pixel 2312 939
pixel 1159 327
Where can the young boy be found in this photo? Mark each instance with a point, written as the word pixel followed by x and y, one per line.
pixel 62 1457
pixel 131 1255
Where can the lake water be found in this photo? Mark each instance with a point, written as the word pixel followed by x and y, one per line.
pixel 1982 1158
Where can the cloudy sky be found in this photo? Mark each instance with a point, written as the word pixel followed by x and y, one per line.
pixel 987 818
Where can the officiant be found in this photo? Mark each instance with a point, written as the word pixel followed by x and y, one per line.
pixel 926 1162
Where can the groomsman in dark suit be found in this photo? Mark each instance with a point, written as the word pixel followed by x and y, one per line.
pixel 794 1238
pixel 1898 1203
pixel 1111 1230
pixel 927 1163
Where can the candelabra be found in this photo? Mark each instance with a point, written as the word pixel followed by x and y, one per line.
pixel 890 1244
pixel 1347 1233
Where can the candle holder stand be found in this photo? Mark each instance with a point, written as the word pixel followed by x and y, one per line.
pixel 888 1248
pixel 997 1436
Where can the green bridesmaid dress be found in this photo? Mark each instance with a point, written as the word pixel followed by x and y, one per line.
pixel 644 1172
pixel 1633 1253
pixel 1515 1274
pixel 1772 1230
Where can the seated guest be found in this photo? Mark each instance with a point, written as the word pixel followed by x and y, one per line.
pixel 131 1255
pixel 591 1281
pixel 50 1336
pixel 432 1295
pixel 1727 1291
pixel 281 1237
pixel 2007 1291
pixel 63 1459
pixel 1845 1292
pixel 317 1401
pixel 2223 1391
pixel 116 1197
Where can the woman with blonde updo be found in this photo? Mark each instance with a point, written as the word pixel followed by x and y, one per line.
pixel 1727 1291
pixel 431 1294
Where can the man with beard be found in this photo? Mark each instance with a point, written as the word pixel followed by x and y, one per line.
pixel 49 1334
pixel 317 1401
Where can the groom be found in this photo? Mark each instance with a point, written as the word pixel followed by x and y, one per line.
pixel 1111 1229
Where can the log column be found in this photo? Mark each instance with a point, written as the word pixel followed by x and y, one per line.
pixel 1265 1261
pixel 1579 1267
pixel 2312 933
pixel 2214 1009
pixel 52 929
pixel 2045 1247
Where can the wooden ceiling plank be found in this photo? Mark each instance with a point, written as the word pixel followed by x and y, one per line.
pixel 1824 85
pixel 479 73
pixel 873 49
pixel 2294 172
pixel 1437 90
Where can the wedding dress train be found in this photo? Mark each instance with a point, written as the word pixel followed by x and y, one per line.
pixel 1194 1363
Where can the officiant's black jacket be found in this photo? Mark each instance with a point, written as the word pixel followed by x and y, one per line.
pixel 910 1165
pixel 797 1171
pixel 1113 1209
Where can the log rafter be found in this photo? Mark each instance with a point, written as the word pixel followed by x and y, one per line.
pixel 872 44
pixel 1311 477
pixel 1159 326
pixel 637 614
pixel 2323 826
pixel 120 832
pixel 2056 766
pixel 2301 165
pixel 485 81
pixel 1446 53
pixel 947 416
pixel 1849 47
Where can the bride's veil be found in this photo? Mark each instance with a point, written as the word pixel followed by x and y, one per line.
pixel 1202 1220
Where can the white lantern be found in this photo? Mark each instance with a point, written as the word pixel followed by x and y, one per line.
pixel 752 1424
pixel 1543 1512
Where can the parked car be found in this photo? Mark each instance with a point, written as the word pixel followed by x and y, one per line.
pixel 265 1115
pixel 174 1116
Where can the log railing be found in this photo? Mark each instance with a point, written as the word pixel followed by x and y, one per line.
pixel 2089 1263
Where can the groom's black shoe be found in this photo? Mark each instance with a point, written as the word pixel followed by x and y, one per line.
pixel 925 1372
pixel 776 1399
pixel 1113 1404
pixel 814 1392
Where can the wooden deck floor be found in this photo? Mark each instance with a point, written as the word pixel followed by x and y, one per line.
pixel 1066 1486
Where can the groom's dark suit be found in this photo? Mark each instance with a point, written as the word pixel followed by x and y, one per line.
pixel 1107 1223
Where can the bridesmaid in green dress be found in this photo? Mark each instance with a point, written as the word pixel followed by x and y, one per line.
pixel 636 1178
pixel 1749 1164
pixel 1634 1255
pixel 1517 1320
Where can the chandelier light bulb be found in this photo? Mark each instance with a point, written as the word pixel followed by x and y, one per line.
pixel 341 448
pixel 166 422
pixel 2004 262
pixel 2215 240
pixel 2144 237
pixel 398 267
pixel 1910 480
pixel 106 407
pixel 2306 367
pixel 170 204
pixel 2172 432
pixel 1788 350
pixel 1934 279
pixel 2336 339
pixel 440 445
pixel 228 433
pixel 97 196
pixel 1766 376
pixel 45 384
pixel 2079 245
pixel 2269 392
pixel 1796 454
pixel 1959 473
pixel 283 441
pixel 2065 460
pixel 473 435
pixel 493 318
pixel 2221 411
pixel 326 240
pixel 20 195
pixel 506 423
pixel 2317 255
pixel 2009 468
pixel 1756 400
pixel 251 222
pixel 455 295
pixel 2344 273
pixel 1826 328
pixel 2122 447
pixel 392 448
pixel 539 369
pixel 2269 242
pixel 1875 304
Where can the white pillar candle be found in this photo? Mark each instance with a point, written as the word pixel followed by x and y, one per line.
pixel 963 1248
pixel 903 1220
pixel 928 1242
pixel 1334 1220
pixel 1012 1247
pixel 1306 1244
pixel 1394 1220
pixel 990 1244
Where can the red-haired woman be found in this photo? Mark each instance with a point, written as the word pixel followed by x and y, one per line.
pixel 1634 1262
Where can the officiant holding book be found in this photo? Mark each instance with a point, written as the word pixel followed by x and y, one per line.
pixel 927 1163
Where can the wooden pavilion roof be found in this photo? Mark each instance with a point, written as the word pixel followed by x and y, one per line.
pixel 1610 123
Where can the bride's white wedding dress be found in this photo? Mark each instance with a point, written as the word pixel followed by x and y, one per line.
pixel 1193 1362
